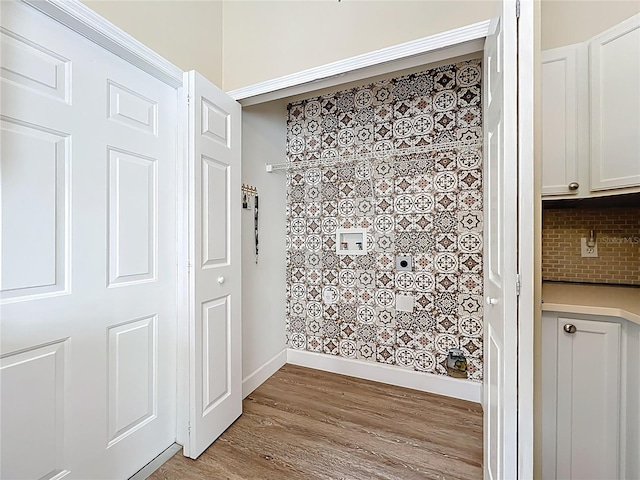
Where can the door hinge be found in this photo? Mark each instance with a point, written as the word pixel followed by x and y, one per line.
pixel 517 8
pixel 518 285
pixel 189 428
pixel 188 265
pixel 188 99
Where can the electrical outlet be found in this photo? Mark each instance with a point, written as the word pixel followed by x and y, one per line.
pixel 587 251
pixel 328 296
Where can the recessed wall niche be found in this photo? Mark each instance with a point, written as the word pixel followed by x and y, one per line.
pixel 351 241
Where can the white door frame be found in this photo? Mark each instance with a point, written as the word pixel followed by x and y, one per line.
pixel 432 49
pixel 527 230
pixel 78 17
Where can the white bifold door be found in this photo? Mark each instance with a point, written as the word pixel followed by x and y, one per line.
pixel 501 253
pixel 215 342
pixel 88 284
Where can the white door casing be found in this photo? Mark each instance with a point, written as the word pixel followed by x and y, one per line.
pixel 88 256
pixel 215 368
pixel 501 238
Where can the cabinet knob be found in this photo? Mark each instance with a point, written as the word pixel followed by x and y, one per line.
pixel 220 280
pixel 491 300
pixel 570 328
pixel 574 186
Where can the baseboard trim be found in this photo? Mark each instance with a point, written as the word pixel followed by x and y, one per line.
pixel 260 375
pixel 425 382
pixel 146 471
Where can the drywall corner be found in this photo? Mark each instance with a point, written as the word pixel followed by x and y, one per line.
pixel 263 283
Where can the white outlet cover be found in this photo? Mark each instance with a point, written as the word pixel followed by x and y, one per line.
pixel 405 303
pixel 586 251
pixel 329 296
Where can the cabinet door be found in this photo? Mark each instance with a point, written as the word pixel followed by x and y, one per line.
pixel 560 121
pixel 588 399
pixel 615 106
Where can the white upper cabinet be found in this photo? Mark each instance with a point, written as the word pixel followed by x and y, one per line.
pixel 615 106
pixel 591 115
pixel 560 121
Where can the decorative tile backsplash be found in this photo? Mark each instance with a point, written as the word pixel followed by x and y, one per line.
pixel 426 204
pixel 618 237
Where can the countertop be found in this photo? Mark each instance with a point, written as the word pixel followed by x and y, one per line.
pixel 607 300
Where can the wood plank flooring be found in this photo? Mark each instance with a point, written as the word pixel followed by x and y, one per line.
pixel 308 424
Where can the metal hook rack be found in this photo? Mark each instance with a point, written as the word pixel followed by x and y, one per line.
pixel 249 191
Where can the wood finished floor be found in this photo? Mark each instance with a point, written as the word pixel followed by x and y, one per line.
pixel 308 424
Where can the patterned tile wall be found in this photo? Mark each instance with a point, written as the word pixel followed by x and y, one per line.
pixel 618 235
pixel 427 204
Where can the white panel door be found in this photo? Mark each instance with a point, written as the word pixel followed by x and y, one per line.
pixel 215 364
pixel 560 121
pixel 88 284
pixel 501 239
pixel 615 106
pixel 588 400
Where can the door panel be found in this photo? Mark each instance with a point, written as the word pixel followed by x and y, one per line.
pixel 133 393
pixel 494 428
pixel 216 215
pixel 500 267
pixel 133 211
pixel 214 283
pixel 216 123
pixel 215 352
pixel 35 172
pixel 35 67
pixel 88 299
pixel 33 399
pixel 132 109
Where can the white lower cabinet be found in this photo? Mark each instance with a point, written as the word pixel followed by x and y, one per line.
pixel 590 401
pixel 588 405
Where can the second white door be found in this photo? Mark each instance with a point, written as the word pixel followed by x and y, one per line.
pixel 215 337
pixel 500 398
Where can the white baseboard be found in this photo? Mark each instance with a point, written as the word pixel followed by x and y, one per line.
pixel 260 375
pixel 156 463
pixel 377 372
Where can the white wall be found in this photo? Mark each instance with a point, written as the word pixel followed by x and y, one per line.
pixel 187 33
pixel 238 43
pixel 268 39
pixel 263 285
pixel 565 22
